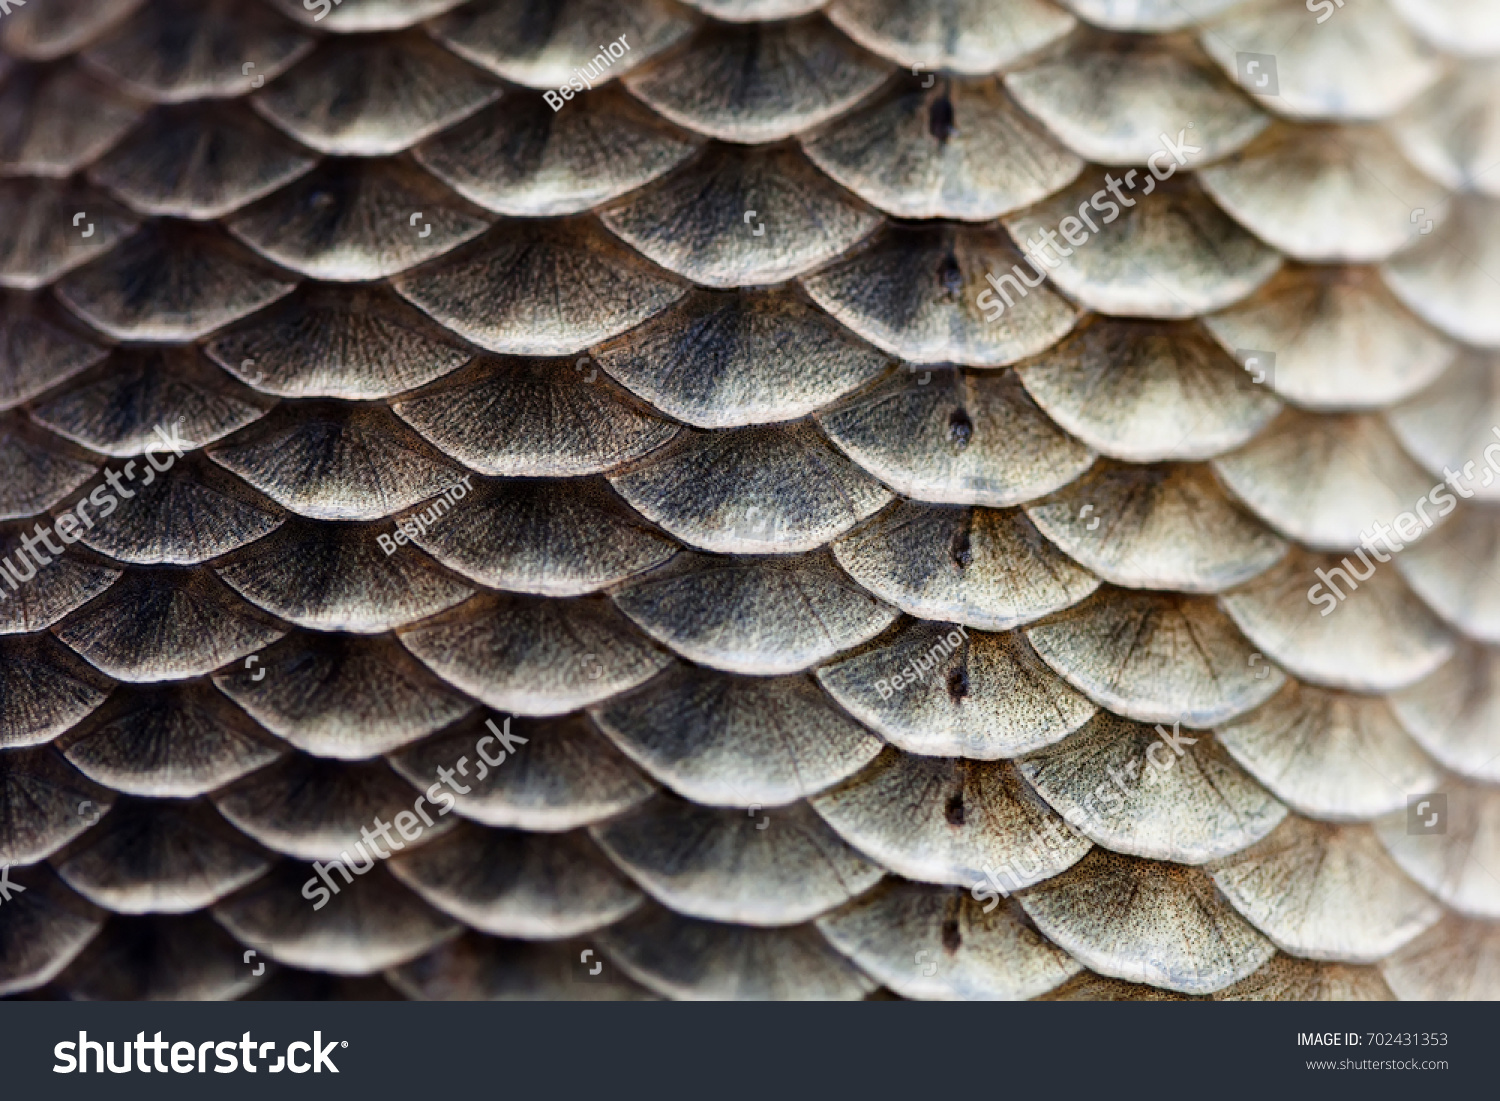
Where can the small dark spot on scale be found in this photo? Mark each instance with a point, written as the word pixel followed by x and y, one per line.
pixel 952 939
pixel 960 428
pixel 940 118
pixel 954 811
pixel 958 683
pixel 959 549
pixel 949 276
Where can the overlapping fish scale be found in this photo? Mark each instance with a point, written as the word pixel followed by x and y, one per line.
pixel 176 50
pixel 1448 714
pixel 161 856
pixel 38 243
pixel 1113 105
pixel 961 149
pixel 41 347
pixel 737 741
pixel 1365 64
pixel 1325 480
pixel 770 868
pixel 978 695
pixel 66 585
pixel 1324 194
pixel 522 158
pixel 534 885
pixel 162 957
pixel 439 921
pixel 475 966
pixel 970 37
pixel 1332 756
pixel 57 119
pixel 760 83
pixel 46 33
pixel 1206 807
pixel 1468 28
pixel 1450 132
pixel 1442 276
pixel 544 47
pixel 694 222
pixel 1332 338
pixel 359 16
pixel 1326 892
pixel 357 221
pixel 176 741
pixel 373 96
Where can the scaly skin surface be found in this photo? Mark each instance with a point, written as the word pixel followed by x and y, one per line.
pixel 672 431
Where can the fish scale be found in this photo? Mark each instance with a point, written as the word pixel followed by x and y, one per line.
pixel 859 623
